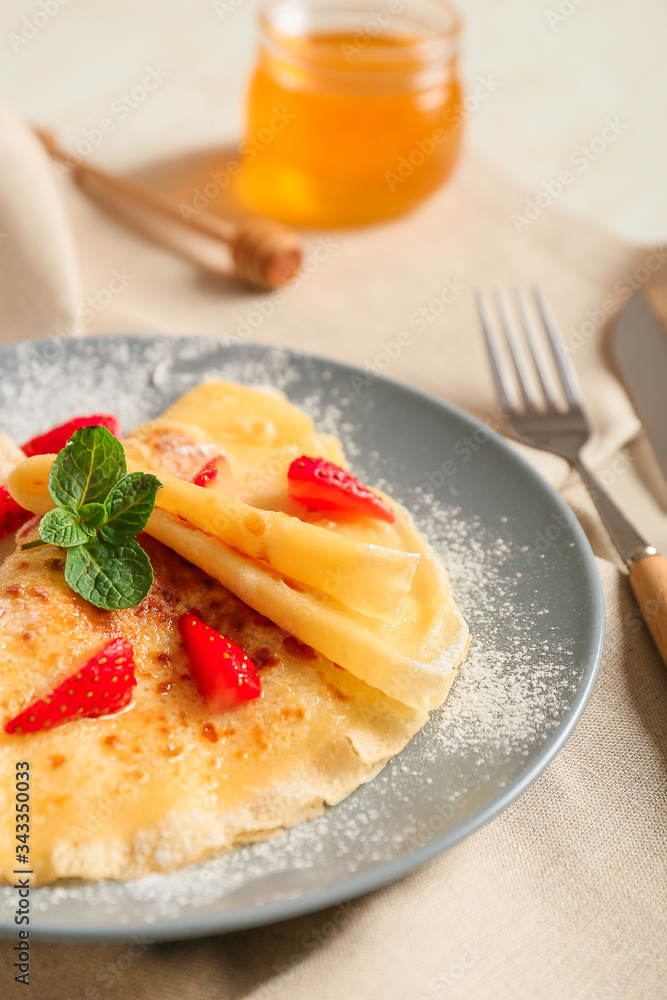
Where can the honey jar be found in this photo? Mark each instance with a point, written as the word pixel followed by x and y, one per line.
pixel 353 111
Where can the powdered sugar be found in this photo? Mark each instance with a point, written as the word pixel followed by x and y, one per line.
pixel 507 691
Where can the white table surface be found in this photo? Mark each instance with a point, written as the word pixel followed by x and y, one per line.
pixel 559 76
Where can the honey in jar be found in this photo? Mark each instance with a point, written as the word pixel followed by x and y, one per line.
pixel 354 109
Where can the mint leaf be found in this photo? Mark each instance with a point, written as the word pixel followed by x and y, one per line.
pixel 107 575
pixel 99 510
pixel 61 526
pixel 89 465
pixel 129 506
pixel 94 514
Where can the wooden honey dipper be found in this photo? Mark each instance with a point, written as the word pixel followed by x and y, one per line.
pixel 265 253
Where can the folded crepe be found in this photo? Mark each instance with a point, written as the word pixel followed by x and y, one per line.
pixel 166 781
pixel 369 595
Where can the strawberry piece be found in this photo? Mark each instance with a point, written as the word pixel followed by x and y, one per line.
pixel 55 439
pixel 102 686
pixel 208 475
pixel 321 485
pixel 217 475
pixel 12 516
pixel 223 673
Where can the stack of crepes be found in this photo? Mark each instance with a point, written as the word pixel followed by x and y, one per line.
pixel 350 621
pixel 368 595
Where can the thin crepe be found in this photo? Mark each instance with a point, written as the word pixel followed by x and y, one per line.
pixel 165 782
pixel 409 661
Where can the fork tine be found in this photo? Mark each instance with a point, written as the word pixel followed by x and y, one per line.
pixel 507 396
pixel 535 344
pixel 566 370
pixel 526 382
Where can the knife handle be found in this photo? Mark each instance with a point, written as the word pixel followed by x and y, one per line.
pixel 648 579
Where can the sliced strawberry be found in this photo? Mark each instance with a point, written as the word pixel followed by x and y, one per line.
pixel 102 686
pixel 55 439
pixel 321 485
pixel 12 516
pixel 223 673
pixel 217 475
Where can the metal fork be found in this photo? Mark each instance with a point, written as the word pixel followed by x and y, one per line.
pixel 539 420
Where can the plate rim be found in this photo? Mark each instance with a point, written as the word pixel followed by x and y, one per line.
pixel 211 923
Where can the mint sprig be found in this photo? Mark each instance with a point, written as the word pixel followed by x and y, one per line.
pixel 100 508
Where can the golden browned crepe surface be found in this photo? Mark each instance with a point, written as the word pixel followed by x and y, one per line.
pixel 165 782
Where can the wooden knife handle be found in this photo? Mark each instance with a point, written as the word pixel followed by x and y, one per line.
pixel 648 578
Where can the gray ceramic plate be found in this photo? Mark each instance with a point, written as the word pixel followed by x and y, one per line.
pixel 524 576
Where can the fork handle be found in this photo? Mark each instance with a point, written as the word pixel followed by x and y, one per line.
pixel 648 579
pixel 648 570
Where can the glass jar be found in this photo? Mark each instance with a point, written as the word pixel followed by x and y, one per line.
pixel 354 109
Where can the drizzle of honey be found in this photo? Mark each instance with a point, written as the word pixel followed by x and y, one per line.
pixel 339 134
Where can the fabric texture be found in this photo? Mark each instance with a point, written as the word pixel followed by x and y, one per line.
pixel 563 894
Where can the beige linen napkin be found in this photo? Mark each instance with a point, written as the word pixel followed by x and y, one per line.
pixel 39 281
pixel 563 894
